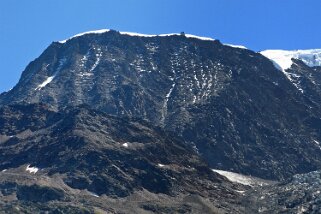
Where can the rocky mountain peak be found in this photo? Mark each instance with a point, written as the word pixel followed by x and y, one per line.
pixel 216 97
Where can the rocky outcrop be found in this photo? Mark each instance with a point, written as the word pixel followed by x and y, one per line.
pixel 86 151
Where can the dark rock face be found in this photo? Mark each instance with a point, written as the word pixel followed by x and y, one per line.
pixel 82 151
pixel 240 112
pixel 307 80
pixel 36 193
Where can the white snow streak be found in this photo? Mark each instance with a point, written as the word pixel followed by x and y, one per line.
pixel 317 143
pixel 170 92
pixel 49 79
pixel 166 103
pixel 235 46
pixel 46 82
pixel 98 57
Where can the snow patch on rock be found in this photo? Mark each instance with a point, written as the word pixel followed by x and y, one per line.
pixel 46 82
pixel 94 194
pixel 241 179
pixel 32 170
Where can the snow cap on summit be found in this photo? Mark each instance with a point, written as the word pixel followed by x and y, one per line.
pixel 136 34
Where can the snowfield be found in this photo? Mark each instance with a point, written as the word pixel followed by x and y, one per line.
pixel 241 179
pixel 282 59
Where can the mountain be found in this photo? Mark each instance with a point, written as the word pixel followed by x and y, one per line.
pixel 112 115
pixel 232 104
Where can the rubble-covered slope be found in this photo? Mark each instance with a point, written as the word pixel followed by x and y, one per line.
pixel 79 160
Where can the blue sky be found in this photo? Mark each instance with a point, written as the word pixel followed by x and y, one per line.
pixel 28 27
